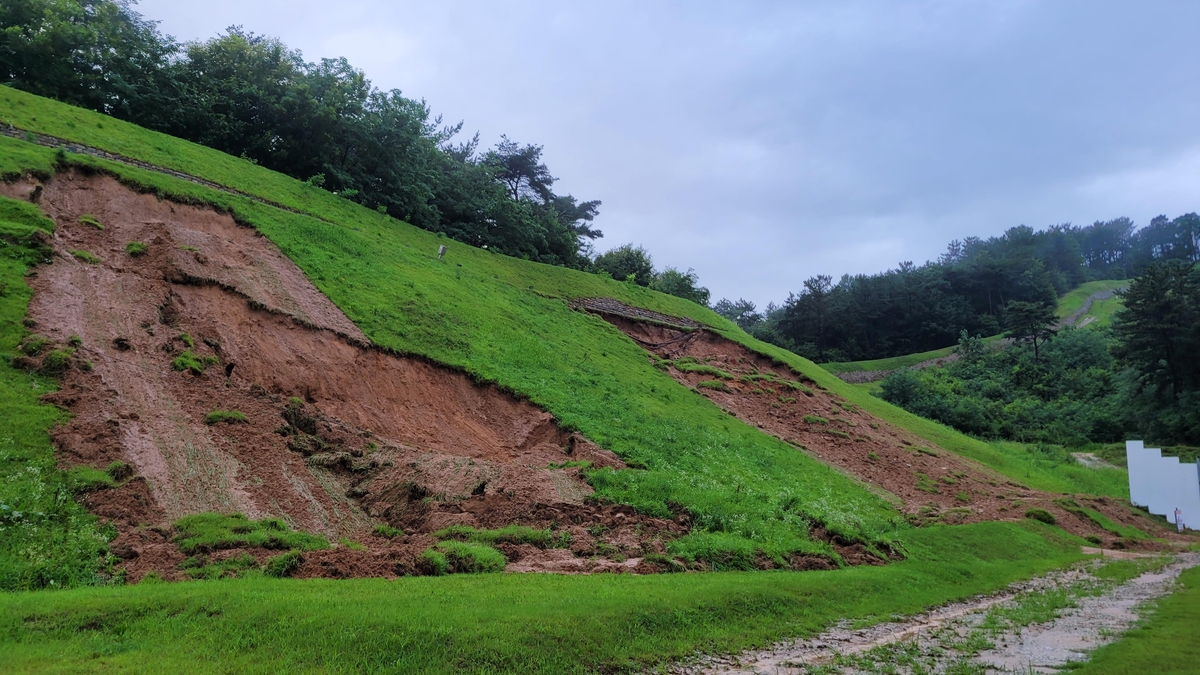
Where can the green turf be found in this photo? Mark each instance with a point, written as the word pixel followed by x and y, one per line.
pixel 46 538
pixel 1164 644
pixel 507 321
pixel 497 623
pixel 1074 299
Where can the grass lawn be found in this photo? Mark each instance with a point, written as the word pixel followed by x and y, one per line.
pixel 529 623
pixel 1163 644
pixel 1074 299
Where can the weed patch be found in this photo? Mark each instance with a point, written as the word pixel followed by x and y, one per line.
pixel 193 363
pixel 89 219
pixel 225 416
pixel 716 385
pixel 136 248
pixel 84 256
pixel 512 534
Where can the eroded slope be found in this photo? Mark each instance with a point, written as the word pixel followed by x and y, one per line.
pixel 337 437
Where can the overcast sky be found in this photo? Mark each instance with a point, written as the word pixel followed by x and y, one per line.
pixel 763 143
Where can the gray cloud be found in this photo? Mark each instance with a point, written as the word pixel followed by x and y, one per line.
pixel 762 143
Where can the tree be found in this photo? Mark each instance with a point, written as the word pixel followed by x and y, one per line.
pixel 521 170
pixel 739 311
pixel 1159 327
pixel 682 284
pixel 1030 322
pixel 627 262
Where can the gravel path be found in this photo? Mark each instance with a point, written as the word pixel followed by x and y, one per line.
pixel 1033 626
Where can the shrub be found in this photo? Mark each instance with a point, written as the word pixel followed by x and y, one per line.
pixel 813 419
pixel 206 532
pixel 89 258
pixel 284 565
pixel 469 558
pixel 75 341
pixel 963 497
pixel 89 219
pixel 1041 515
pixel 718 385
pixel 227 416
pixel 194 363
pixel 136 248
pixel 187 340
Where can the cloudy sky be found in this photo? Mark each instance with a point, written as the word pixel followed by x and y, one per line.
pixel 764 142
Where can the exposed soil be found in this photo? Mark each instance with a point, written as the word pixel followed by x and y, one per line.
pixel 338 436
pixel 928 483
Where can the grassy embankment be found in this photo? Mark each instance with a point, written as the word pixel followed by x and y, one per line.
pixel 461 316
pixel 46 538
pixel 1164 643
pixel 495 623
pixel 506 321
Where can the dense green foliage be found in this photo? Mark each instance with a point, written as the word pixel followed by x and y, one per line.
pixel 1141 378
pixel 252 97
pixel 1164 643
pixel 526 623
pixel 971 287
pixel 46 538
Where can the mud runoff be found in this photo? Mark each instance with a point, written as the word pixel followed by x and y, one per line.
pixel 928 483
pixel 334 436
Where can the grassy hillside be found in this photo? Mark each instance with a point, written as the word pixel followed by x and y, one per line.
pixel 507 321
pixel 1073 300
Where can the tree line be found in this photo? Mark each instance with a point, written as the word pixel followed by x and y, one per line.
pixel 1141 378
pixel 251 96
pixel 972 286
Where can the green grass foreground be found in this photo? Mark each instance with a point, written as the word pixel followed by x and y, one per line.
pixel 1164 644
pixel 530 623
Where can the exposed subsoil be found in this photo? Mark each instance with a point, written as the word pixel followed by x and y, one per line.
pixel 929 483
pixel 338 436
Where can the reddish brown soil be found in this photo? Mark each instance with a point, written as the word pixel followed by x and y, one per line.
pixel 928 483
pixel 339 437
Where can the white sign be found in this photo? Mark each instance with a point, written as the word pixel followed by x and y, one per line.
pixel 1163 485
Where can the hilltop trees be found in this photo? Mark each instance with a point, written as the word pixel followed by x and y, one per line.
pixel 1030 322
pixel 251 96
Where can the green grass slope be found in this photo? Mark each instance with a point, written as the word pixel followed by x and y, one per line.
pixel 46 538
pixel 507 321
pixel 1074 299
pixel 530 623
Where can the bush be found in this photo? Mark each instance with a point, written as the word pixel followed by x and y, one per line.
pixel 226 416
pixel 284 565
pixel 1041 515
pixel 32 344
pixel 136 248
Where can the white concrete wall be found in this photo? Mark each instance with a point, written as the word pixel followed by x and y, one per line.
pixel 1163 484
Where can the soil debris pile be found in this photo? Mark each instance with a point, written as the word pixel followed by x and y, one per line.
pixel 930 484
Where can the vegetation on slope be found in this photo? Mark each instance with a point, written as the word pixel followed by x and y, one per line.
pixel 531 623
pixel 507 321
pixel 46 538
